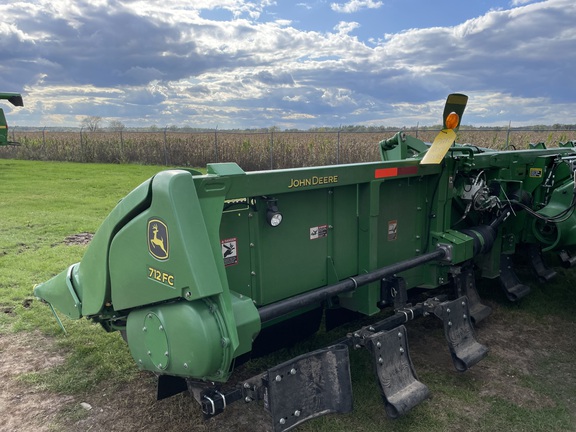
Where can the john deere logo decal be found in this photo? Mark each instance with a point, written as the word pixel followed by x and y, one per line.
pixel 158 239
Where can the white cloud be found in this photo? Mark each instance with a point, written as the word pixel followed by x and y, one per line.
pixel 346 27
pixel 146 62
pixel 355 5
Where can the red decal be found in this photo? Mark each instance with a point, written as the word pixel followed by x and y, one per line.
pixel 396 171
pixel 386 172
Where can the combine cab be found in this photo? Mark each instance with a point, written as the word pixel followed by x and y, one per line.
pixel 16 100
pixel 201 272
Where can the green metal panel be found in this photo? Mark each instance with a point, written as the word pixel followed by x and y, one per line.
pixel 181 338
pixel 59 291
pixel 402 220
pixel 90 278
pixel 343 239
pixel 142 272
pixel 236 249
pixel 292 256
pixel 3 128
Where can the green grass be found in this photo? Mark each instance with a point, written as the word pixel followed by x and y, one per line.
pixel 42 203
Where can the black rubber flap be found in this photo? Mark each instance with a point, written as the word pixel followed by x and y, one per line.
pixel 309 386
pixel 513 288
pixel 399 385
pixel 464 348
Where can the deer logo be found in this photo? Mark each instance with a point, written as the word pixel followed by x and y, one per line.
pixel 158 239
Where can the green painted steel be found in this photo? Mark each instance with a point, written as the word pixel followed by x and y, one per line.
pixel 16 100
pixel 185 260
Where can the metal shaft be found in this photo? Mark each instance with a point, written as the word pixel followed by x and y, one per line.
pixel 292 304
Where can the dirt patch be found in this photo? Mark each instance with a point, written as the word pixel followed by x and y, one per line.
pixel 23 408
pixel 78 239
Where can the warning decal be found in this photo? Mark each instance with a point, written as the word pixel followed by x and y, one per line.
pixel 318 232
pixel 392 230
pixel 230 251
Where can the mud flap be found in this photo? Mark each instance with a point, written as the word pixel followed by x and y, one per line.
pixel 464 348
pixel 544 273
pixel 513 288
pixel 464 283
pixel 309 386
pixel 399 385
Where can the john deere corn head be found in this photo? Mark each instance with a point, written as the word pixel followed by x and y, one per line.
pixel 201 272
pixel 16 100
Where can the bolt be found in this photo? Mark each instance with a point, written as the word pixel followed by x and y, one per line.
pixel 149 353
pixel 297 413
pixel 247 399
pixel 463 303
pixel 380 360
pixel 159 365
pixel 250 215
pixel 464 316
pixel 356 334
pixel 166 354
pixel 282 421
pixel 278 378
pixel 188 294
pixel 357 346
pixel 378 344
pixel 144 329
pixel 246 385
pixel 449 323
pixel 185 365
pixel 448 310
pixel 161 328
pixel 253 273
pixel 292 371
pixel 399 334
pixel 402 350
pixel 251 244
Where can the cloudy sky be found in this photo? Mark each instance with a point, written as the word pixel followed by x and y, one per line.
pixel 289 64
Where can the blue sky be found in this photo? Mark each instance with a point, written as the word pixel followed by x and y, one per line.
pixel 289 64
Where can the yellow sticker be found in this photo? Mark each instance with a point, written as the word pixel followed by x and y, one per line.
pixel 439 148
pixel 535 172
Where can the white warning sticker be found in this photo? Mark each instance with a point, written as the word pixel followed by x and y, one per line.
pixel 318 232
pixel 230 251
pixel 392 230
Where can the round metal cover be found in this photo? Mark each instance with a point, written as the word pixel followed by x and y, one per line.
pixel 156 341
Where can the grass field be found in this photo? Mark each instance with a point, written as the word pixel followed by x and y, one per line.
pixel 528 382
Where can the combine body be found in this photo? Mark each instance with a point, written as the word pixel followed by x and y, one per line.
pixel 16 100
pixel 199 272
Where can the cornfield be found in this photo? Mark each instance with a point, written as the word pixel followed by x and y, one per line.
pixel 250 150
